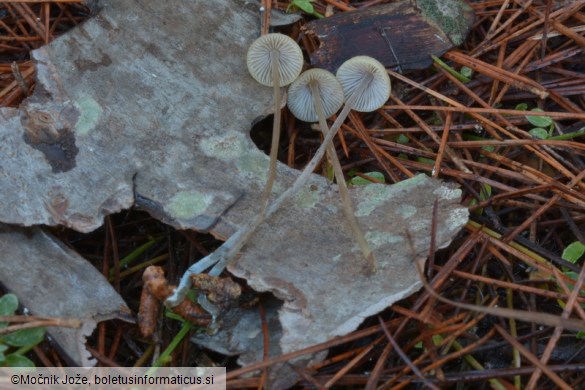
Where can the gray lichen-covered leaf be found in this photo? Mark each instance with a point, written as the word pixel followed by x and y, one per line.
pixel 307 257
pixel 130 106
pixel 150 103
pixel 51 280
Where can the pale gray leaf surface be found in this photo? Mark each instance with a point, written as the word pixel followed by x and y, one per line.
pixel 51 280
pixel 308 258
pixel 132 102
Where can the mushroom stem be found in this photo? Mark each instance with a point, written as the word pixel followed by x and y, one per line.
pixel 274 61
pixel 221 257
pixel 227 251
pixel 341 184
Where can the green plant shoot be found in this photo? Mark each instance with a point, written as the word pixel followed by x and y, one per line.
pixel 305 6
pixel 573 252
pixel 458 76
pixel 14 345
pixel 361 181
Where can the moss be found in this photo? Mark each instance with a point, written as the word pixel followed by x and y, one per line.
pixel 448 16
pixel 188 204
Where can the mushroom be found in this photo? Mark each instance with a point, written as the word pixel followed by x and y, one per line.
pixel 365 82
pixel 313 97
pixel 366 86
pixel 312 83
pixel 274 60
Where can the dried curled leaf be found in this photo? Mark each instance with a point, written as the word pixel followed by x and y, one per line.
pixel 221 291
pixel 155 290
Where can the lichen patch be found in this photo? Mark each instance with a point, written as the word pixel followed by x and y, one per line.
pixel 90 112
pixel 188 204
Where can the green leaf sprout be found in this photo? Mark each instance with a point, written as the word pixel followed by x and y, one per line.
pixel 573 252
pixel 14 345
pixel 305 6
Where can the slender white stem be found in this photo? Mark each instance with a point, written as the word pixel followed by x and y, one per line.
pixel 230 248
pixel 341 184
pixel 274 62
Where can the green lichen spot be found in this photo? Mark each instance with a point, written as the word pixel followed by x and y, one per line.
pixel 446 193
pixel 237 149
pixel 188 204
pixel 375 195
pixel 90 112
pixel 372 197
pixel 458 218
pixel 226 147
pixel 380 239
pixel 254 166
pixel 453 17
pixel 406 210
pixel 308 197
pixel 331 208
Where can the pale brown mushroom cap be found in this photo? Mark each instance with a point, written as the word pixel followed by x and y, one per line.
pixel 352 72
pixel 300 97
pixel 290 59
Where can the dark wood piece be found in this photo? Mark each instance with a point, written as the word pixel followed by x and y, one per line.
pixel 401 35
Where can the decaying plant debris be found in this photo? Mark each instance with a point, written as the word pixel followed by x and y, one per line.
pixel 100 147
pixel 525 196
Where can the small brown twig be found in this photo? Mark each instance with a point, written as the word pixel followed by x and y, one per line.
pixel 27 322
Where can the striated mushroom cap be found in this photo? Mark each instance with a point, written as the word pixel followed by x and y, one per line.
pixel 290 59
pixel 300 96
pixel 353 71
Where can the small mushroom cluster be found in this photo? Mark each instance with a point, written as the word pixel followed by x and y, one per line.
pixel 276 60
pixel 313 96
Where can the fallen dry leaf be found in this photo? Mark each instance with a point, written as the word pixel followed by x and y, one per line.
pixel 52 280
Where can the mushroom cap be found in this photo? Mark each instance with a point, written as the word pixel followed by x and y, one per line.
pixel 351 73
pixel 300 97
pixel 290 59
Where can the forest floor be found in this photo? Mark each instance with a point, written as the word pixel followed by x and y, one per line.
pixel 503 116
